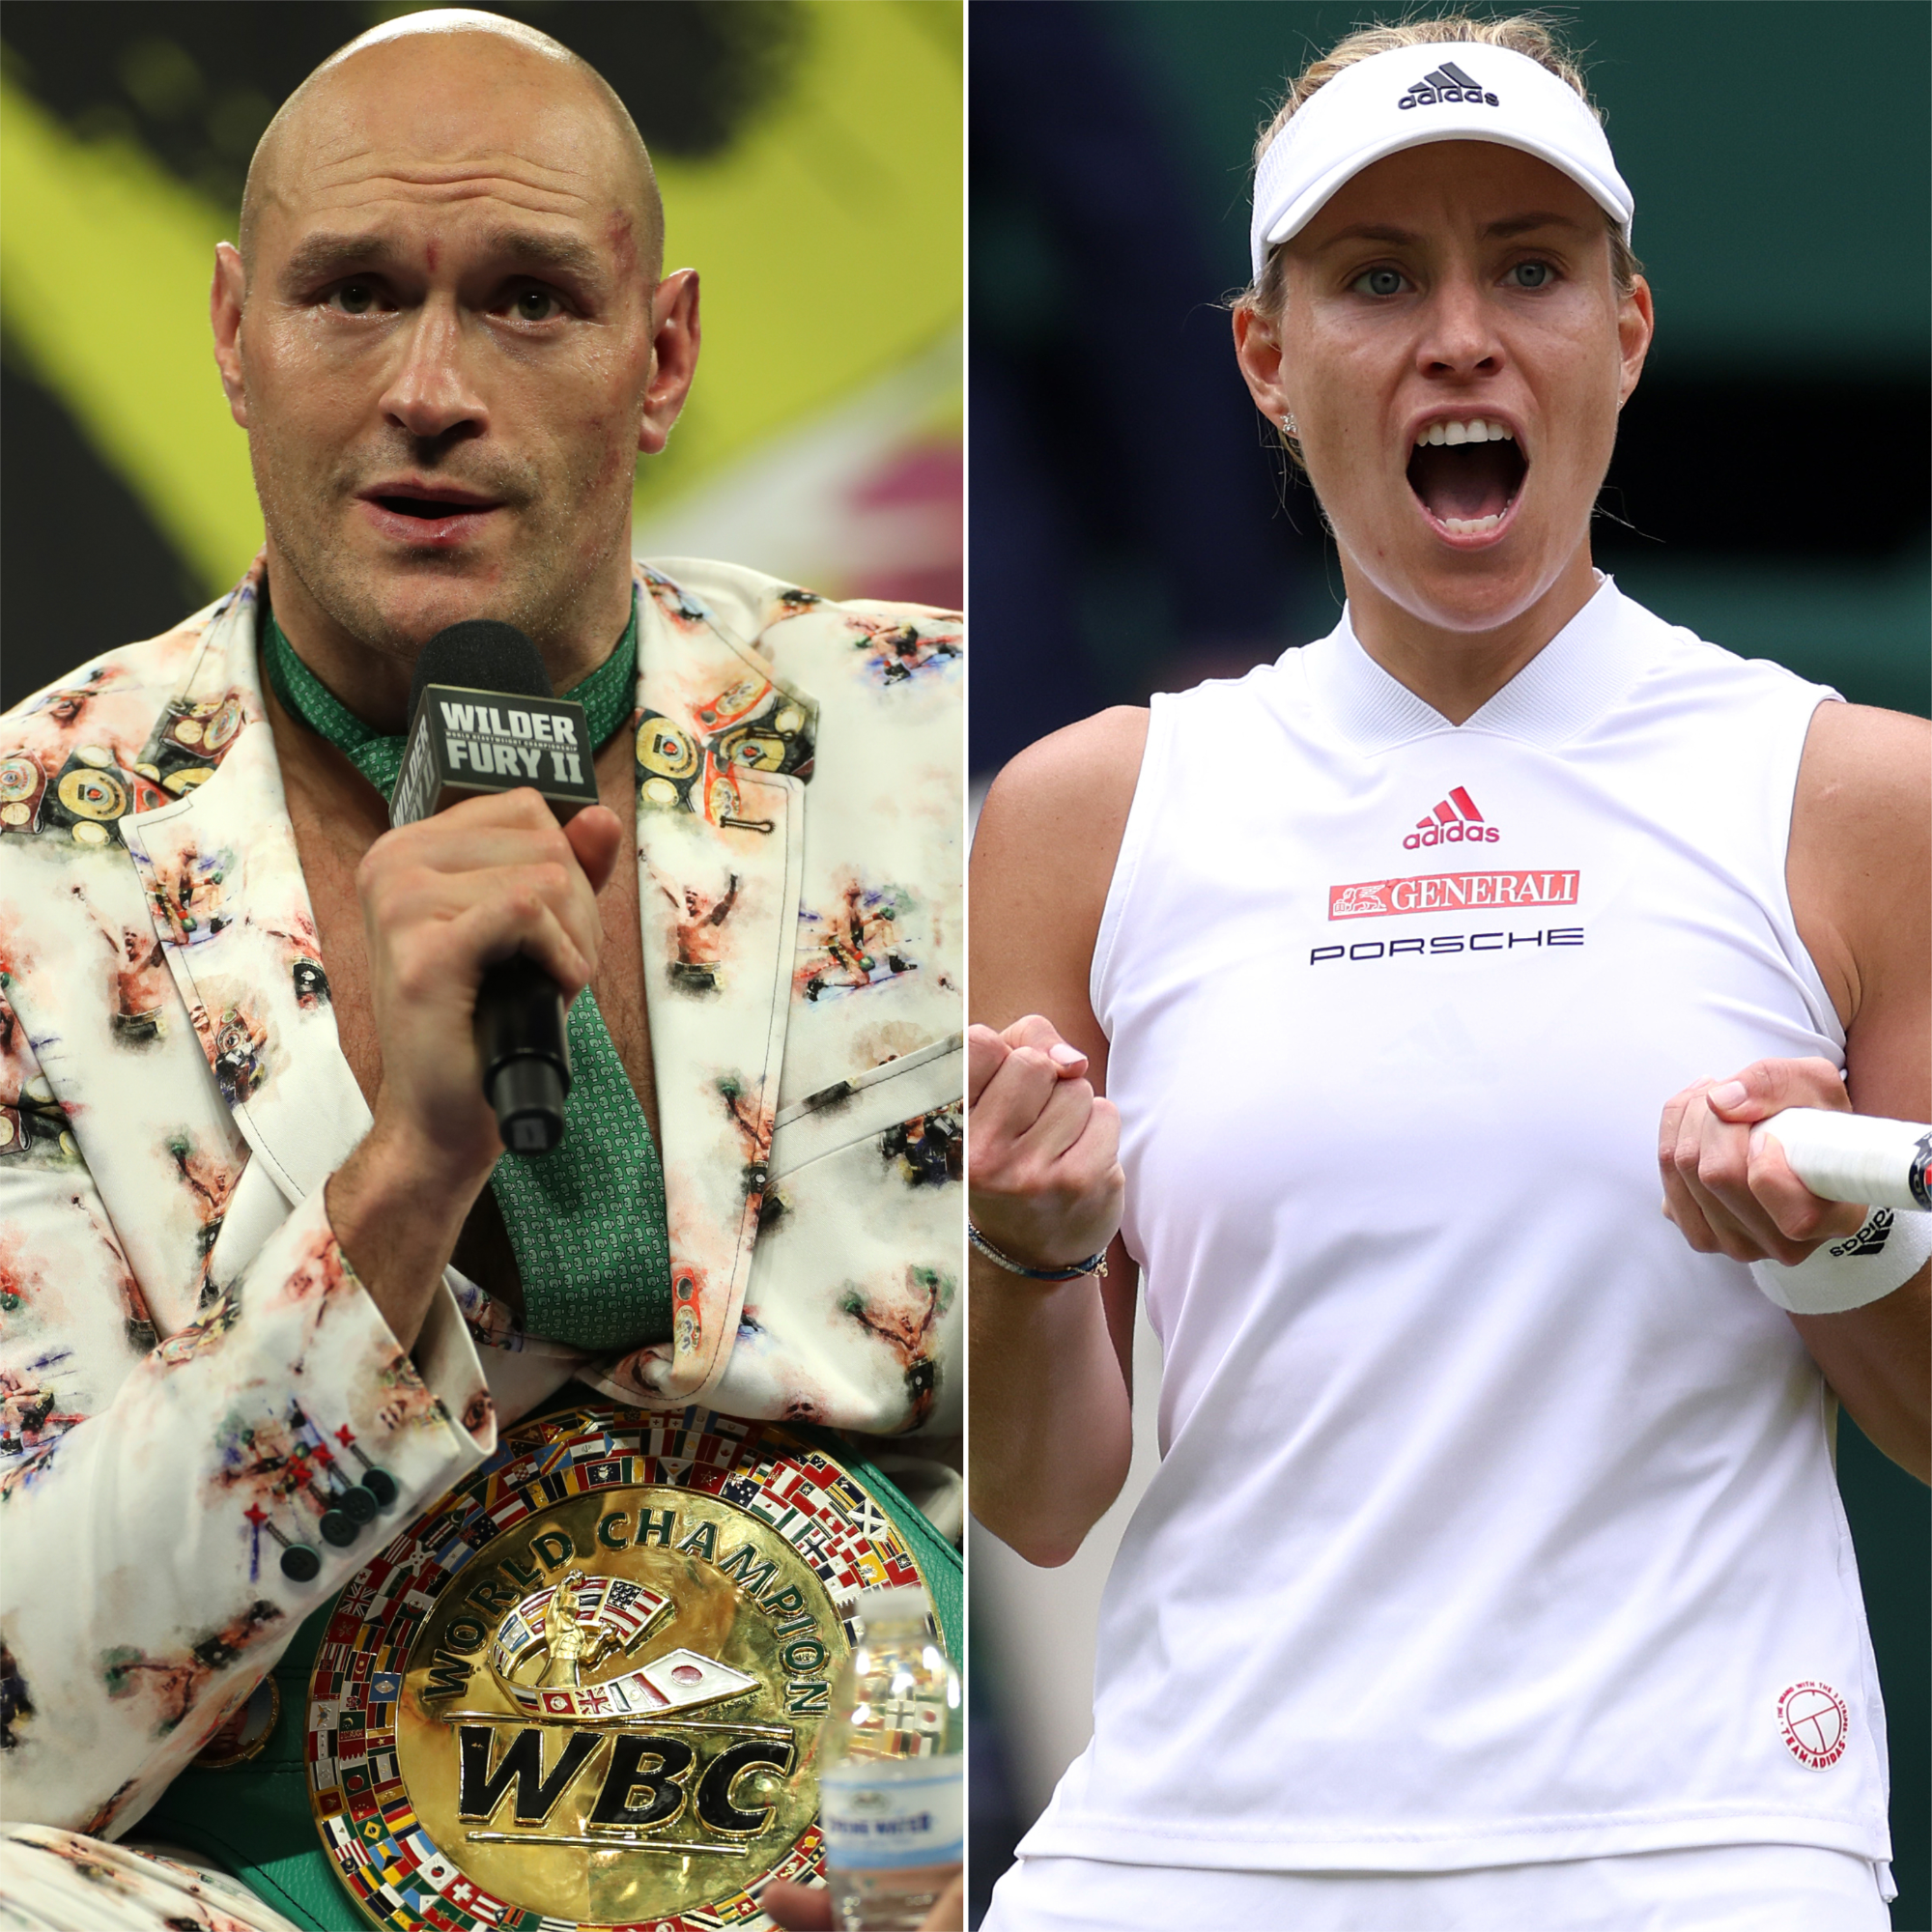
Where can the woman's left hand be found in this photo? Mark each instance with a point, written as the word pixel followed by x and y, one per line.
pixel 1728 1189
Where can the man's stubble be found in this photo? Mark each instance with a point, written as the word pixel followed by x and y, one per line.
pixel 542 590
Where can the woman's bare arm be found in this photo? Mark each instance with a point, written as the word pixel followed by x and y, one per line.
pixel 1859 871
pixel 1049 1394
pixel 1861 875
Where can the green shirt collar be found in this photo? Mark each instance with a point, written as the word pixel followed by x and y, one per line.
pixel 608 697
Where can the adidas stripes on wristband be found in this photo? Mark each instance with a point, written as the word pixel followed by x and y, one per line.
pixel 1884 1253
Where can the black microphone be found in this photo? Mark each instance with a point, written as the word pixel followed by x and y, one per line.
pixel 482 720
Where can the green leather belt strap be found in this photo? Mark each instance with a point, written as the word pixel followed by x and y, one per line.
pixel 586 1220
pixel 255 1820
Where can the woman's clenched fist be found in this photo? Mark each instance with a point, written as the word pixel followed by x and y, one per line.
pixel 1043 1148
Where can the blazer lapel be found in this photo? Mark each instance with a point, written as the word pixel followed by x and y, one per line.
pixel 722 755
pixel 232 914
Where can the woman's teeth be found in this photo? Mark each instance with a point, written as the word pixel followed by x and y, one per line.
pixel 1476 430
pixel 1470 527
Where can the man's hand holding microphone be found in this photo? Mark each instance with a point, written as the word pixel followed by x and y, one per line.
pixel 476 871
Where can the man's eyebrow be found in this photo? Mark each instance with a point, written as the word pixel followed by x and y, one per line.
pixel 324 256
pixel 542 250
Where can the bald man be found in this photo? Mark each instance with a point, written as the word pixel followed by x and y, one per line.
pixel 257 1220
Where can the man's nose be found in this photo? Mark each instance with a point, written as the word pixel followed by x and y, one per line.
pixel 432 390
pixel 1460 336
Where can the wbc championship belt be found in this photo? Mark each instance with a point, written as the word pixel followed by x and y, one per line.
pixel 584 1688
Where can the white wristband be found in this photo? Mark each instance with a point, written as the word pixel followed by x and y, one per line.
pixel 1884 1253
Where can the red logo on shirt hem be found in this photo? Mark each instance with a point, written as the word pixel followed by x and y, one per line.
pixel 1815 1724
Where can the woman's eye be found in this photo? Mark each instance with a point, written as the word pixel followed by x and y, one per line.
pixel 536 306
pixel 1381 282
pixel 1532 274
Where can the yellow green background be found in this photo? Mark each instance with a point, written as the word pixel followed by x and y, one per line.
pixel 828 240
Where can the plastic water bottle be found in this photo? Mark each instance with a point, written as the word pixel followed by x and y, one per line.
pixel 891 1788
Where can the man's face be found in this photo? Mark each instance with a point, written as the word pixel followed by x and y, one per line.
pixel 444 356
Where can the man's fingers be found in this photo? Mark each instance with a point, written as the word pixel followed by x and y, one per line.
pixel 797 1908
pixel 456 851
pixel 496 931
pixel 596 837
pixel 1766 1086
pixel 948 1912
pixel 562 892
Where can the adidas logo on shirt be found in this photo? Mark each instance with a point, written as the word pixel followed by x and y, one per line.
pixel 1456 821
pixel 1448 83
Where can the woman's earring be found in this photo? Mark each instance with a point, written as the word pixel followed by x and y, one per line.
pixel 1288 424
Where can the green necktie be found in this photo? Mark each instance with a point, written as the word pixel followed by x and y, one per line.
pixel 586 1220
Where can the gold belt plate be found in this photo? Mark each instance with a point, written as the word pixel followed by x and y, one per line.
pixel 585 1689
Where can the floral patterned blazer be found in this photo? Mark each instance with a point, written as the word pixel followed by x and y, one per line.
pixel 188 1366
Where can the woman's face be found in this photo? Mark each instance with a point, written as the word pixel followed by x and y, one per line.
pixel 1457 283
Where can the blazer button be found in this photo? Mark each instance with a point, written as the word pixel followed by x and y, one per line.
pixel 302 1564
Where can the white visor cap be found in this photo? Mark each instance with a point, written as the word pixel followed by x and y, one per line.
pixel 1449 90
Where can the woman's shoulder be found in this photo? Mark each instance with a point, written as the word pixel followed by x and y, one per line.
pixel 1081 765
pixel 1060 808
pixel 1046 842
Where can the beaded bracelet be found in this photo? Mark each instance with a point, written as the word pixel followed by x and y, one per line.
pixel 1093 1264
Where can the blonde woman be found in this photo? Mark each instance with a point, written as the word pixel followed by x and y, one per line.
pixel 1493 1574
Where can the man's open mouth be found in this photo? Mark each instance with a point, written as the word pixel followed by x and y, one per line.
pixel 431 509
pixel 1467 474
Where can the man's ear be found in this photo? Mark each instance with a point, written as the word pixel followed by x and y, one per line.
pixel 225 298
pixel 675 342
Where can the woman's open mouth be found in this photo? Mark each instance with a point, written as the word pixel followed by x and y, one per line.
pixel 1467 474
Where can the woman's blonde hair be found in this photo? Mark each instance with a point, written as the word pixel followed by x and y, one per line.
pixel 1520 33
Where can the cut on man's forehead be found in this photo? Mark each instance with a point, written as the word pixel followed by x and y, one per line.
pixel 387 71
pixel 325 255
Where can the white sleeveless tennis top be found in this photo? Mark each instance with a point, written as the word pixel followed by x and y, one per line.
pixel 1493 1524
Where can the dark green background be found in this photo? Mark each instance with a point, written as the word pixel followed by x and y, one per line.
pixel 1777 151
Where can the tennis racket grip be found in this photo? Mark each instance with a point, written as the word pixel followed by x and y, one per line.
pixel 1857 1156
